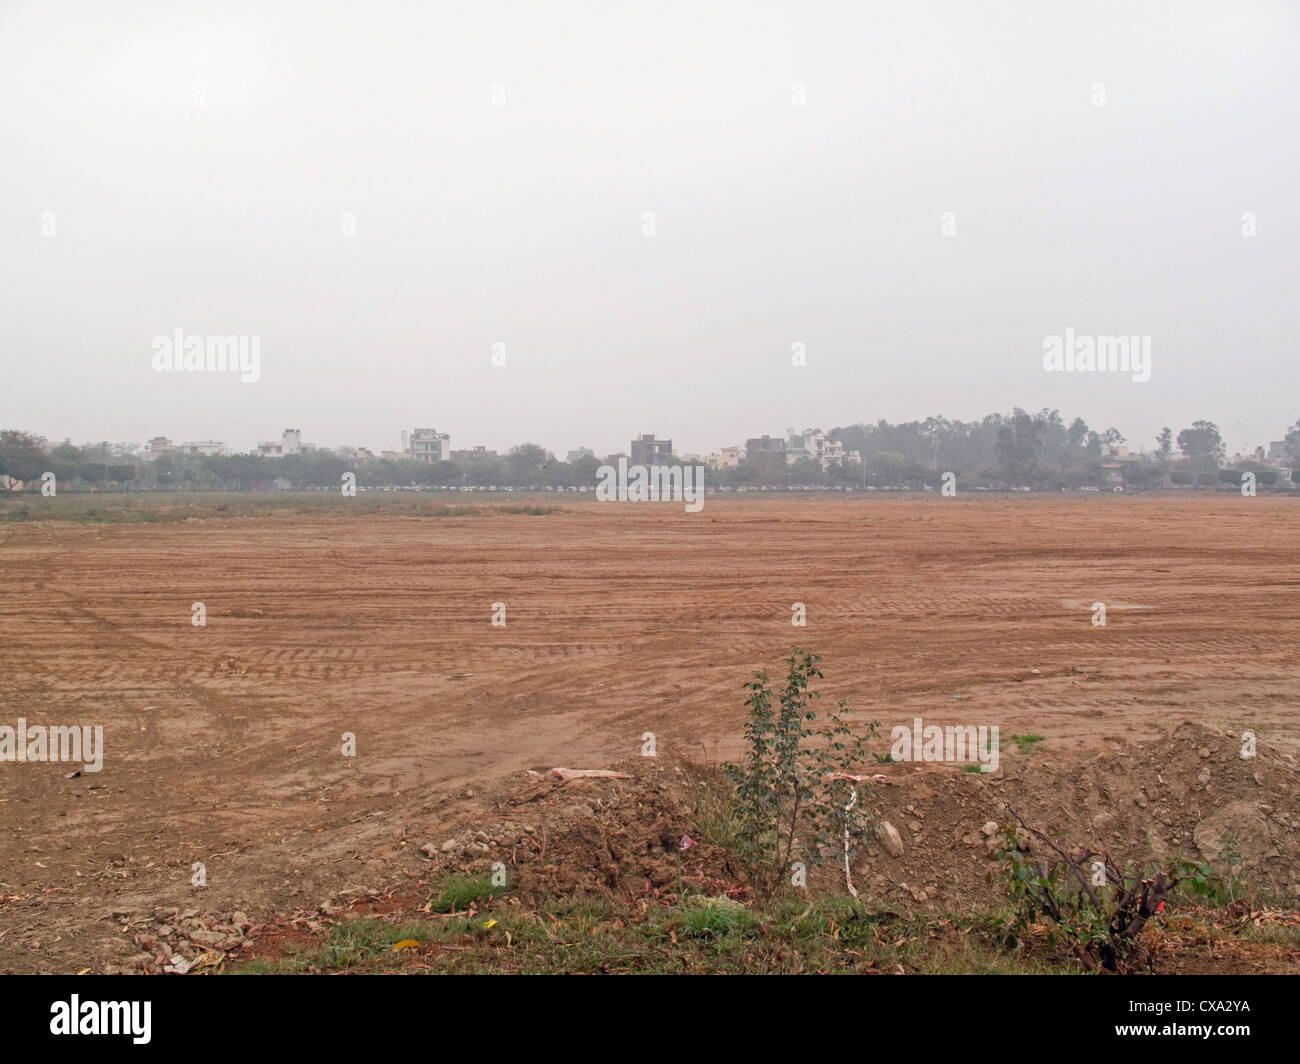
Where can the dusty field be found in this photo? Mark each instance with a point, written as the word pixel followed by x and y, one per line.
pixel 223 743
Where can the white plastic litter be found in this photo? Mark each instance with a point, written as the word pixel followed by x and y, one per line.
pixel 588 773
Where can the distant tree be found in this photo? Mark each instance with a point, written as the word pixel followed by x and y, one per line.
pixel 64 461
pixel 93 472
pixel 805 471
pixel 939 433
pixel 583 470
pixel 443 473
pixel 67 453
pixel 1143 474
pixel 1202 445
pixel 844 473
pixel 885 468
pixel 325 470
pixel 1164 447
pixel 1078 432
pixel 526 464
pixel 22 455
pixel 1292 439
pixel 1018 446
pixel 768 467
pixel 164 471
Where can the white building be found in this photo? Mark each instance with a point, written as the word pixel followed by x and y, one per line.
pixel 290 442
pixel 428 445
pixel 204 447
pixel 815 445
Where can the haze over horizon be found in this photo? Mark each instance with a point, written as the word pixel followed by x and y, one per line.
pixel 170 166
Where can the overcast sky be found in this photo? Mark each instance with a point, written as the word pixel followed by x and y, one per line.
pixel 188 165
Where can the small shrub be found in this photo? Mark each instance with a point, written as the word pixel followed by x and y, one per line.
pixel 791 799
pixel 1099 922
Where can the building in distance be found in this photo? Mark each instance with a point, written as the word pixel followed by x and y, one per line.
pixel 428 445
pixel 648 451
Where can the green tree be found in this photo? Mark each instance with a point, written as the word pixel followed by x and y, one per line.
pixel 1018 447
pixel 22 455
pixel 93 472
pixel 791 796
pixel 1202 445
pixel 583 470
pixel 1164 447
pixel 526 464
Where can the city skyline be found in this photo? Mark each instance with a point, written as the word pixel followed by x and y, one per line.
pixel 1249 443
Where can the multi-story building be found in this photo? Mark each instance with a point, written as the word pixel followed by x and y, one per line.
pixel 290 442
pixel 822 449
pixel 159 446
pixel 757 447
pixel 478 451
pixel 428 445
pixel 726 458
pixel 646 450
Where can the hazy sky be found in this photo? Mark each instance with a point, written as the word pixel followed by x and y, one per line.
pixel 197 160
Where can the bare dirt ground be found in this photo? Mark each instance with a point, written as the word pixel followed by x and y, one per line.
pixel 224 743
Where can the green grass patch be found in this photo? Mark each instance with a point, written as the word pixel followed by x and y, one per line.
pixel 704 917
pixel 458 893
pixel 697 935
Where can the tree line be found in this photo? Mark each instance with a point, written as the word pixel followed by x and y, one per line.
pixel 1040 451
